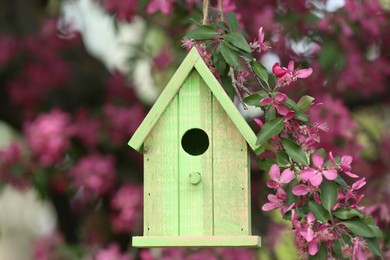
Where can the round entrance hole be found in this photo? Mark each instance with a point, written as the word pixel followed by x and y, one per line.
pixel 195 141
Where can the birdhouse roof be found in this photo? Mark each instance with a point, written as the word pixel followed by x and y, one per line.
pixel 192 61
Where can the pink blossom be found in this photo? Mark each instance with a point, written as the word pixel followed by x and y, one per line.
pixel 165 6
pixel 48 137
pixel 258 122
pixel 344 165
pixel 260 45
pixel 242 75
pixel 163 59
pixel 187 43
pixel 112 252
pixel 127 203
pixel 279 180
pixel 358 248
pixel 314 175
pixel 13 167
pixel 278 201
pixel 288 75
pixel 277 102
pixel 124 9
pixel 93 175
pixel 86 128
pixel 351 193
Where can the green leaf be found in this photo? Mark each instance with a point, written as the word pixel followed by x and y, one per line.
pixel 301 116
pixel 291 198
pixel 294 151
pixel 232 21
pixel 231 46
pixel 265 164
pixel 203 32
pixel 260 70
pixel 219 62
pixel 359 228
pixel 230 56
pixel 373 245
pixel 319 212
pixel 269 129
pixel 222 26
pixel 237 40
pixel 291 104
pixel 282 158
pixel 321 151
pixel 254 99
pixel 337 245
pixel 227 85
pixel 344 213
pixel 340 181
pixel 304 103
pixel 328 194
pixel 270 114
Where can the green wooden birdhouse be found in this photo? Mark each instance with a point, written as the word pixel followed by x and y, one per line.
pixel 196 165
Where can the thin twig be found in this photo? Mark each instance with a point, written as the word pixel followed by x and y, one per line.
pixel 235 83
pixel 220 10
pixel 205 11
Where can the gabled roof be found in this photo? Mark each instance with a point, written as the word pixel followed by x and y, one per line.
pixel 192 61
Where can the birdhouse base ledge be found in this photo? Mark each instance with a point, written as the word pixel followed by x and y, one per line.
pixel 197 241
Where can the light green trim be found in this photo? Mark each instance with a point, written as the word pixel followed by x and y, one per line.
pixel 193 60
pixel 164 100
pixel 197 241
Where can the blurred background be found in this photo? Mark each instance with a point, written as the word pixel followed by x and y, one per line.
pixel 77 77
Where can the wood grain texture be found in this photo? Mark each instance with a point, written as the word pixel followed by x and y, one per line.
pixel 161 176
pixel 192 60
pixel 227 105
pixel 198 241
pixel 231 176
pixel 163 101
pixel 195 205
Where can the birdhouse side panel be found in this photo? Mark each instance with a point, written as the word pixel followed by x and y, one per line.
pixel 161 180
pixel 195 112
pixel 231 176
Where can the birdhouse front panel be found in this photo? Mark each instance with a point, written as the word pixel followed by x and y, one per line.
pixel 196 169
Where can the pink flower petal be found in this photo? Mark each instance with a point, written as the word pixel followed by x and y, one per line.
pixel 282 109
pixel 313 247
pixel 287 176
pixel 261 34
pixel 258 122
pixel 352 175
pixel 289 115
pixel 358 184
pixel 266 101
pixel 309 234
pixel 316 180
pixel 269 206
pixel 300 190
pixel 274 172
pixel 307 173
pixel 330 174
pixel 280 98
pixel 281 194
pixel 290 66
pixel 272 184
pixel 310 218
pixel 303 73
pixel 318 161
pixel 286 208
pixel 278 71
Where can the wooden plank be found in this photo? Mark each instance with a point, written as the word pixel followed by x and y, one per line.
pixel 163 101
pixel 195 203
pixel 198 241
pixel 227 105
pixel 231 176
pixel 161 191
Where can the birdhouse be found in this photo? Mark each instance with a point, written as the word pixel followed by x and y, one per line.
pixel 196 165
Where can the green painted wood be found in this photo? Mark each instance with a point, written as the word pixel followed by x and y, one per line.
pixel 164 100
pixel 195 203
pixel 231 176
pixel 192 60
pixel 161 176
pixel 198 241
pixel 226 103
